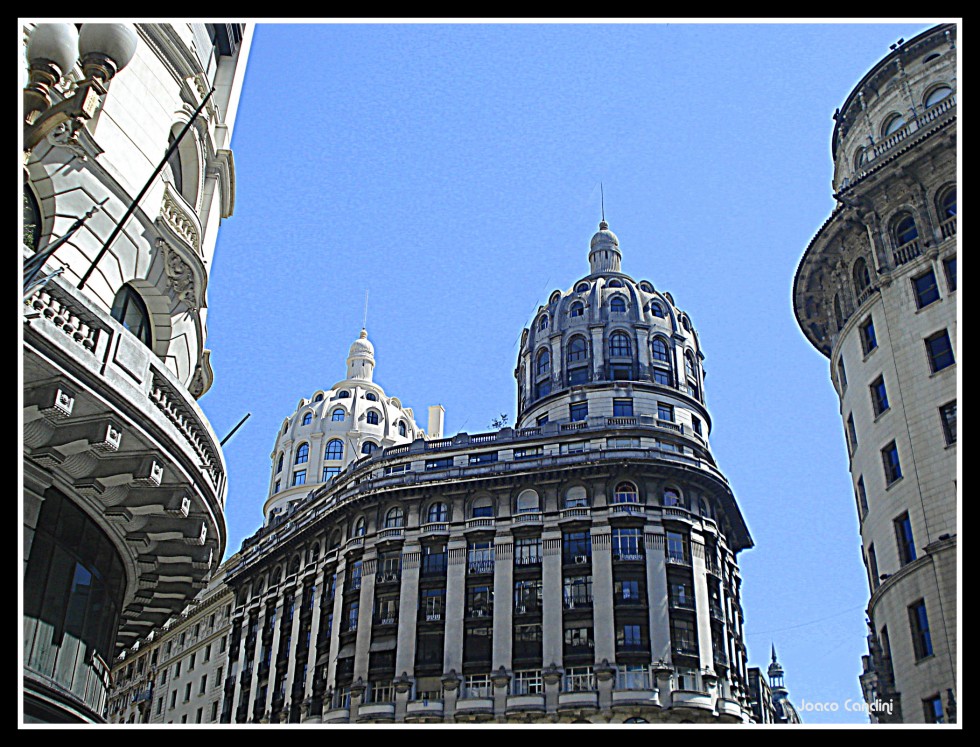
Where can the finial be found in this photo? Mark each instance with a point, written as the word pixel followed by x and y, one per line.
pixel 773 653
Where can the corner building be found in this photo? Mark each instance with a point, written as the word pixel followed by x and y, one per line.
pixel 876 294
pixel 124 481
pixel 580 566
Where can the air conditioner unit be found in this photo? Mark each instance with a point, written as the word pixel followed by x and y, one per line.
pixel 581 558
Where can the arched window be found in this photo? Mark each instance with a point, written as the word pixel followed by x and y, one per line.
pixel 173 161
pixel 402 430
pixel 578 349
pixel 860 157
pixel 686 323
pixel 294 565
pixel 371 396
pixel 861 275
pixel 260 588
pixel 302 454
pixel 335 449
pixel 947 204
pixel 543 365
pixel 646 287
pixel 279 464
pixel 318 398
pixel 360 527
pixel 581 287
pixel 438 513
pixel 617 305
pixel 703 508
pixel 905 230
pixel 369 447
pixel 657 310
pixel 129 310
pixel 659 349
pixel 892 124
pixel 482 507
pixel 373 417
pixel 619 345
pixel 344 394
pixel 690 370
pixel 527 502
pixel 334 540
pixel 394 518
pixel 307 418
pixel 672 497
pixel 338 414
pixel 614 283
pixel 577 309
pixel 543 322
pixel 575 497
pixel 937 94
pixel 315 552
pixel 285 426
pixel 555 297
pixel 626 493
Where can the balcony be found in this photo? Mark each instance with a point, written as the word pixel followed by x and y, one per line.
pixel 677 558
pixel 435 528
pixel 529 703
pixel 691 699
pixel 948 228
pixel 388 577
pixel 627 509
pixel 482 522
pixel 391 533
pixel 376 712
pixel 336 716
pixel 578 699
pixel 474 706
pixel 528 517
pixel 386 619
pixel 581 602
pixel 479 566
pixel 423 710
pixel 716 612
pixel 906 252
pixel 686 648
pixel 575 512
pixel 635 697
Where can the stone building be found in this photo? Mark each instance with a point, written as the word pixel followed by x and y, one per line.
pixel 123 478
pixel 875 292
pixel 580 566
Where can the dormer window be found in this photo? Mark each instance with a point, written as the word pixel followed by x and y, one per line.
pixel 657 310
pixel 614 284
pixel 372 417
pixel 543 322
pixel 617 305
pixel 344 394
pixel 582 288
pixel 338 414
pixel 371 396
pixel 307 418
pixel 577 309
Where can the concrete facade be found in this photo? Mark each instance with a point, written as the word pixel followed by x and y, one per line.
pixel 876 293
pixel 124 479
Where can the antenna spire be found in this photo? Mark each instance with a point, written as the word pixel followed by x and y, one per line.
pixel 364 325
pixel 602 202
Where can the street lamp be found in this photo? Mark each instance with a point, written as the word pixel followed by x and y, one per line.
pixel 102 50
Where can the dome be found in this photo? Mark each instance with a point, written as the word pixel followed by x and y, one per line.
pixel 361 347
pixel 604 238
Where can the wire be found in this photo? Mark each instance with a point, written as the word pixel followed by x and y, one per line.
pixel 810 622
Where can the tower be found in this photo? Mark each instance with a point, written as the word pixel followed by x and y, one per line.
pixel 875 292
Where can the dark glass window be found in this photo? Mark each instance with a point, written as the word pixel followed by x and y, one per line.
pixel 543 388
pixel 173 161
pixel 543 363
pixel 438 513
pixel 279 464
pixel 628 591
pixel 577 309
pixel 619 345
pixel 630 638
pixel 919 626
pixel 873 568
pixel 129 310
pixel 662 377
pixel 302 454
pixel 665 412
pixel 308 418
pixel 343 394
pixel 949 267
pixel 905 230
pixel 947 414
pixel 659 349
pixel 940 351
pixel 372 417
pixel 933 708
pixel 330 473
pixel 879 396
pixel 622 408
pixel 402 430
pixel 862 496
pixel 620 372
pixel 842 374
pixel 578 376
pixel 696 425
pixel 903 534
pixel 868 339
pixel 335 449
pixel 657 310
pixel 617 305
pixel 577 546
pixel 893 468
pixel 926 289
pixel 578 349
pixel 578 411
pixel 299 477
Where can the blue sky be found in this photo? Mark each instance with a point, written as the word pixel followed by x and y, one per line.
pixel 452 171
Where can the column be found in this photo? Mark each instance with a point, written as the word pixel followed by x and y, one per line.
pixel 551 598
pixel 657 592
pixel 298 602
pixel 503 601
pixel 557 361
pixel 256 658
pixel 598 351
pixel 276 633
pixel 604 627
pixel 239 665
pixel 701 602
pixel 643 349
pixel 455 605
pixel 321 585
pixel 408 604
pixel 365 620
pixel 338 610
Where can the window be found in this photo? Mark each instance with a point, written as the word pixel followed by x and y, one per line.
pixel 360 527
pixel 527 551
pixel 577 547
pixel 543 322
pixel 926 289
pixel 335 449
pixel 576 497
pixel 868 340
pixel 579 640
pixel 395 518
pixel 299 477
pixel 330 473
pixel 444 463
pixel 905 230
pixel 627 543
pixel 480 557
pixel 619 345
pixel 527 682
pixel 222 644
pixel 302 454
pixel 862 497
pixel 372 417
pixel 696 425
pixel 578 411
pixel 343 394
pixel 684 637
pixel 402 430
pixel 173 699
pixel 947 414
pixel 577 309
pixel 629 638
pixel 842 374
pixel 662 377
pixel 543 365
pixel 578 376
pixel 479 601
pixel 626 493
pixel 190 667
pixel 279 464
pixel 949 268
pixel 308 418
pixel 438 513
pixel 933 708
pixel 665 412
pixel 217 677
pixel 369 447
pixel 527 502
pixel 187 692
pixel 487 457
pixel 873 568
pixel 903 534
pixel 940 351
pixel 432 603
pixel 892 124
pixel 919 627
pixel 204 684
pixel 214 712
pixel 542 419
pixel 129 310
pixel 482 507
pixel 657 310
pixel 659 349
pixel 628 592
pixel 617 305
pixel 672 497
pixel 879 396
pixel 338 414
pixel 278 486
pixel 937 95
pixel 582 288
pixel 623 408
pixel 893 468
pixel 861 276
pixel 371 396
pixel 677 548
pixel 577 349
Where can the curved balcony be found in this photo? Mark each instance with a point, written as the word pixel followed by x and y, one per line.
pixel 336 716
pixel 474 707
pixel 376 712
pixel 423 710
pixel 623 698
pixel 582 700
pixel 731 708
pixel 691 699
pixel 110 422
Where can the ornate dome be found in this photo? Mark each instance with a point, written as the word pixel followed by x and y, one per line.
pixel 604 238
pixel 361 347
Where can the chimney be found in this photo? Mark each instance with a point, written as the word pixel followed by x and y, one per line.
pixel 436 415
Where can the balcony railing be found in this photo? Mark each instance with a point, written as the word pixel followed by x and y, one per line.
pixel 479 566
pixel 906 252
pixel 574 512
pixel 435 528
pixel 716 612
pixel 480 522
pixel 577 602
pixel 948 227
pixel 528 517
pixel 676 558
pixel 682 603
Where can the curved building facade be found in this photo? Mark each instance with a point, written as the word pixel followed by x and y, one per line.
pixel 876 294
pixel 124 479
pixel 578 567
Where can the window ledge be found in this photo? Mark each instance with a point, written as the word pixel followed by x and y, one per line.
pixel 893 483
pixel 928 305
pixel 881 414
pixel 870 353
pixel 925 658
pixel 942 371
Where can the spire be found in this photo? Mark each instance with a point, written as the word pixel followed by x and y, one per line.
pixel 773 653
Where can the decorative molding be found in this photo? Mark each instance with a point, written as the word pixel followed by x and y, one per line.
pixel 180 220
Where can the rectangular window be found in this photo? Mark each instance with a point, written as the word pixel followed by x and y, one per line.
pixel 438 463
pixel 873 568
pixel 578 376
pixel 949 267
pixel 187 692
pixel 889 458
pixel 190 667
pixel 623 408
pixel 299 477
pixel 852 437
pixel 947 413
pixel 628 591
pixel 926 289
pixel 200 715
pixel 903 534
pixel 527 551
pixel 217 678
pixel 684 637
pixel 933 708
pixel 330 473
pixel 575 447
pixel 477 686
pixel 479 601
pixel 842 374
pixel 919 627
pixel 183 719
pixel 214 712
pixel 432 603
pixel 527 641
pixel 661 376
pixel 207 652
pixel 868 339
pixel 163 676
pixel 479 557
pixel 862 497
pixel 677 548
pixel 940 351
pixel 577 547
pixel 541 420
pixel 879 395
pixel 528 452
pixel 577 592
pixel 173 699
pixel 488 457
pixel 665 412
pixel 696 424
pixel 629 638
pixel 527 682
pixel 278 486
pixel 159 706
pixel 527 596
pixel 177 670
pixel 579 641
pixel 578 411
pixel 204 684
pixel 627 543
pixel 620 372
pixel 222 644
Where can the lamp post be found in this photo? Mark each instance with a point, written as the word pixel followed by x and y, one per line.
pixel 102 50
